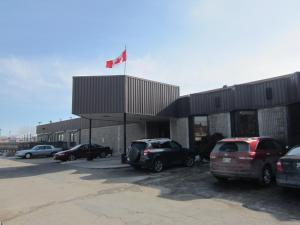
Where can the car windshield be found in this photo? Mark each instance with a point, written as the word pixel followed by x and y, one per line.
pixel 36 147
pixel 76 147
pixel 139 145
pixel 232 147
pixel 294 151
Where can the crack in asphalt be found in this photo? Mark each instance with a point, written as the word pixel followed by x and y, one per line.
pixel 53 203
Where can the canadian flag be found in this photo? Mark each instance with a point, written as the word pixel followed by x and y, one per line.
pixel 118 60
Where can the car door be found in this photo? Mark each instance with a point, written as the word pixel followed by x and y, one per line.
pixel 83 151
pixel 178 153
pixel 168 154
pixel 39 151
pixel 47 150
pixel 266 153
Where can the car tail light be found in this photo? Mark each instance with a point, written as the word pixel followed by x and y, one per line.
pixel 213 156
pixel 252 155
pixel 279 166
pixel 147 152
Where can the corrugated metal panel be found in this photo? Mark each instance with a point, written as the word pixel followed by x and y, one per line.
pixel 183 107
pixel 147 97
pixel 98 94
pixel 285 90
pixel 279 87
pixel 215 101
pixel 73 124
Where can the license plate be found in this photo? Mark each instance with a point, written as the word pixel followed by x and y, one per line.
pixel 226 160
pixel 298 165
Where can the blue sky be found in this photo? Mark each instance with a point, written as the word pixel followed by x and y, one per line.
pixel 198 45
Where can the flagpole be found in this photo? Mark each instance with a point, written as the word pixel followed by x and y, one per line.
pixel 125 62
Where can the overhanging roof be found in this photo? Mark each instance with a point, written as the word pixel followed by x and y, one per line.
pixel 101 96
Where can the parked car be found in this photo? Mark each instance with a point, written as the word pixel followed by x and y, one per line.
pixel 288 169
pixel 82 151
pixel 38 151
pixel 253 158
pixel 157 154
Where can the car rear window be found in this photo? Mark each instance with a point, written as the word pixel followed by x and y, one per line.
pixel 294 151
pixel 155 145
pixel 139 145
pixel 231 147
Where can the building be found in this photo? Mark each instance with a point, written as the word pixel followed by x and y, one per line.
pixel 269 107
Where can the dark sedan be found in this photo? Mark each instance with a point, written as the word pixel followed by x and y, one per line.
pixel 288 169
pixel 82 151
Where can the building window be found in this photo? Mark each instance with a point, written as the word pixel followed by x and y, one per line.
pixel 200 128
pixel 60 137
pixel 269 94
pixel 72 136
pixel 245 123
pixel 217 102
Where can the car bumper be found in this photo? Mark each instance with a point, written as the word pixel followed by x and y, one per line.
pixel 234 174
pixel 143 163
pixel 60 157
pixel 285 180
pixel 20 155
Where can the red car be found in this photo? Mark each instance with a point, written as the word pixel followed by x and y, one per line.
pixel 82 151
pixel 253 158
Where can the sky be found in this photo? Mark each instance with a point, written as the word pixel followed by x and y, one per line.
pixel 198 45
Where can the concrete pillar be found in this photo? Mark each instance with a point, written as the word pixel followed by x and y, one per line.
pixel 179 131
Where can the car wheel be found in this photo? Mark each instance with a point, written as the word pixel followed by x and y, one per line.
pixel 72 157
pixel 102 154
pixel 266 176
pixel 190 161
pixel 158 165
pixel 27 156
pixel 52 154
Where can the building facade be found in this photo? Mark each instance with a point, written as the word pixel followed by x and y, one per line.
pixel 267 107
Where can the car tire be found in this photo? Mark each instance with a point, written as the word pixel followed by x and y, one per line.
pixel 190 161
pixel 72 157
pixel 136 167
pixel 52 154
pixel 221 179
pixel 102 154
pixel 27 156
pixel 158 165
pixel 266 176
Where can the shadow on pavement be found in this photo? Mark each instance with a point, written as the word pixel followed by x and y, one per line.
pixel 181 184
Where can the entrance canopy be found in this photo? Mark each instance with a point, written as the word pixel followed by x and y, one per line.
pixel 107 98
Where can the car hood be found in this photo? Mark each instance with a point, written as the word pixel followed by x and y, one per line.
pixel 66 151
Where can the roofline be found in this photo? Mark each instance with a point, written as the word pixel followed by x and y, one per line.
pixel 130 76
pixel 247 83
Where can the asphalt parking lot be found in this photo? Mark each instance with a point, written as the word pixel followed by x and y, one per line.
pixel 41 191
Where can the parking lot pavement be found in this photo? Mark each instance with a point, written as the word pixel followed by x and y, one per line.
pixel 98 163
pixel 45 192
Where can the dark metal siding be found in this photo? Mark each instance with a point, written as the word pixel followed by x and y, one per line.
pixel 279 88
pixel 73 124
pixel 98 94
pixel 294 89
pixel 243 97
pixel 205 103
pixel 183 108
pixel 285 90
pixel 146 97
